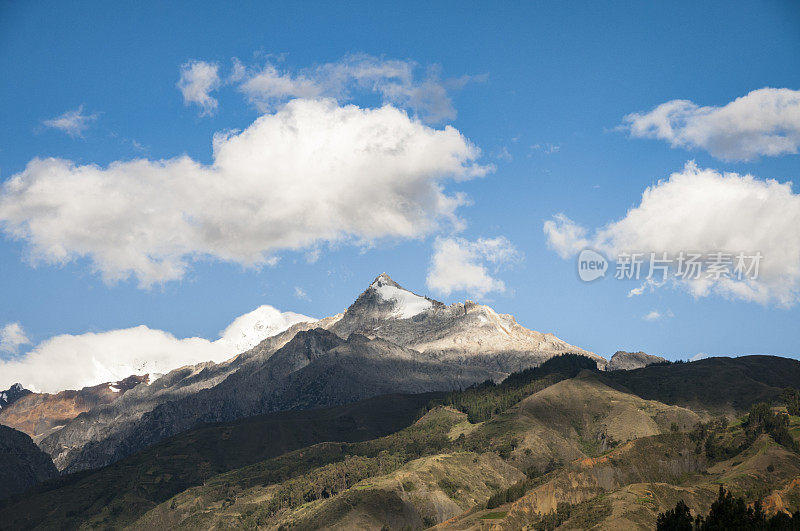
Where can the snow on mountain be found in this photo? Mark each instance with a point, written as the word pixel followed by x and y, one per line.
pixel 406 304
pixel 250 329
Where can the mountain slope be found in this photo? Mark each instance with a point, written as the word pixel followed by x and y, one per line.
pixel 138 483
pixel 22 464
pixel 11 395
pixel 713 385
pixel 39 414
pixel 315 369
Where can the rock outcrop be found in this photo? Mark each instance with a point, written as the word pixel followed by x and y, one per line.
pixel 627 361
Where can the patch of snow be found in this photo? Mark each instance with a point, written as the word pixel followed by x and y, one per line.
pixel 114 388
pixel 406 304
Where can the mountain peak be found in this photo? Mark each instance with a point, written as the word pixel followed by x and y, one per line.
pixel 384 280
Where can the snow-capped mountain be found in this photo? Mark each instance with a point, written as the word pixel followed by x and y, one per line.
pixel 466 332
pixel 389 340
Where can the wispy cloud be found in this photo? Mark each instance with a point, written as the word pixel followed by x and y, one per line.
pixel 656 315
pixel 546 148
pixel 301 294
pixel 74 122
pixel 270 84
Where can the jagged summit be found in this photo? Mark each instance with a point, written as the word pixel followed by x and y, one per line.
pixel 12 394
pixel 384 280
pixel 465 332
pixel 386 299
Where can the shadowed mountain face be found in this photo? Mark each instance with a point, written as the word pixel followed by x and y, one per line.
pixel 389 340
pixel 189 459
pixel 716 385
pixel 22 463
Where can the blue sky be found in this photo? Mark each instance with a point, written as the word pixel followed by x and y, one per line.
pixel 541 89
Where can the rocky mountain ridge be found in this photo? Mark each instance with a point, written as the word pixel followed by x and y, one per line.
pixel 39 414
pixel 12 394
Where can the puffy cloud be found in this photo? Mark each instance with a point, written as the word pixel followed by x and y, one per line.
pixel 76 361
pixel 462 265
pixel 198 80
pixel 12 336
pixel 764 122
pixel 311 173
pixel 74 122
pixel 395 81
pixel 704 211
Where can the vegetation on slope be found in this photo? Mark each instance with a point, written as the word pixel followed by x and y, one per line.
pixel 726 512
pixel 715 385
pixel 480 402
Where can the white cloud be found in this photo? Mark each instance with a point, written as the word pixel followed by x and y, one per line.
pixel 76 361
pixel 702 210
pixel 462 265
pixel 700 356
pixel 12 336
pixel 395 81
pixel 74 122
pixel 565 236
pixel 655 315
pixel 312 173
pixel 198 80
pixel 764 122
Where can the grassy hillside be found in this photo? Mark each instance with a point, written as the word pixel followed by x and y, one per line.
pixel 123 491
pixel 431 471
pixel 558 445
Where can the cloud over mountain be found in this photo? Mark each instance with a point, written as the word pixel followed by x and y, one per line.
pixel 313 172
pixel 75 361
